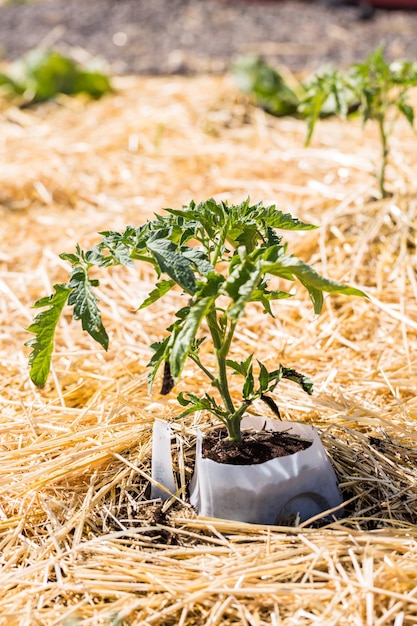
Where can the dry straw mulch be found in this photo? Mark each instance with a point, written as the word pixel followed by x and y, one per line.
pixel 80 542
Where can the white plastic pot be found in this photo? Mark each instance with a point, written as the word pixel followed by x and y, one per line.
pixel 283 490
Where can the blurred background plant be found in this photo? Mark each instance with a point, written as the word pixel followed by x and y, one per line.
pixel 42 74
pixel 372 90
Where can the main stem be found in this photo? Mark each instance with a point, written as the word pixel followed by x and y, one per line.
pixel 384 158
pixel 221 343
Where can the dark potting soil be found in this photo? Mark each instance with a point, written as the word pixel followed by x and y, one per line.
pixel 256 446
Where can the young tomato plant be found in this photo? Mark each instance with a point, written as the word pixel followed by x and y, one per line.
pixel 222 258
pixel 379 91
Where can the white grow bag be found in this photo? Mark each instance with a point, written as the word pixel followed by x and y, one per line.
pixel 297 486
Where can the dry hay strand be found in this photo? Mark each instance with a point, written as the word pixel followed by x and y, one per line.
pixel 80 540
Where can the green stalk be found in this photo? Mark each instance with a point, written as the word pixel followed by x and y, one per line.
pixel 222 383
pixel 233 426
pixel 203 368
pixel 221 345
pixel 220 242
pixel 384 157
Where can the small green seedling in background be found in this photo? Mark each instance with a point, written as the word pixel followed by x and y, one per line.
pixel 379 88
pixel 42 74
pixel 222 258
pixel 374 90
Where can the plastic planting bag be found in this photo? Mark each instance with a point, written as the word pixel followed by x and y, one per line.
pixel 284 490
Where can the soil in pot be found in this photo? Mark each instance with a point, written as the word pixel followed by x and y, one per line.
pixel 256 446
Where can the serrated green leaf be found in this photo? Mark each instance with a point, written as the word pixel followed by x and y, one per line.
pixel 44 326
pixel 160 290
pixel 85 306
pixel 273 238
pixel 118 254
pixel 316 297
pixel 285 221
pixel 73 259
pixel 200 260
pixel 174 264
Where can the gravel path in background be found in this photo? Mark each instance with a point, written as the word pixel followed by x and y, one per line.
pixel 189 36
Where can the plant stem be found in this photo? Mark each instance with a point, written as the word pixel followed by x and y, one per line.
pixel 222 383
pixel 221 355
pixel 233 430
pixel 233 426
pixel 221 345
pixel 384 157
pixel 203 368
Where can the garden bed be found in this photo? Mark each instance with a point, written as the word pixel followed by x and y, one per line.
pixel 80 539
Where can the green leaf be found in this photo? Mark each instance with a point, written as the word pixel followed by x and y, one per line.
pixel 73 259
pixel 185 338
pixel 171 262
pixel 407 111
pixel 85 306
pixel 265 297
pixel 304 381
pixel 199 259
pixel 316 297
pixel 116 253
pixel 291 267
pixel 249 225
pixel 160 354
pixel 44 326
pixel 206 403
pixel 243 235
pixel 284 221
pixel 263 377
pixel 160 290
pixel 249 385
pixel 240 286
pixel 241 367
pixel 270 402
